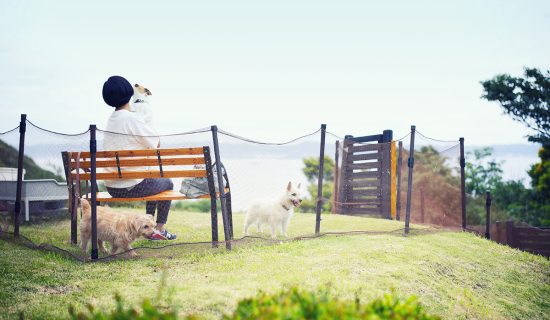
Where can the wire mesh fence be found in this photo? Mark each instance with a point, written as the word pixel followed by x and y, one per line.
pixel 360 179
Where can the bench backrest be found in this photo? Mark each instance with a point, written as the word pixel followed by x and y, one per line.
pixel 150 163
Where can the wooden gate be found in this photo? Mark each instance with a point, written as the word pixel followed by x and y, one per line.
pixel 363 179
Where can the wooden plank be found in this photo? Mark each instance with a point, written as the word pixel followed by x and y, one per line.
pixel 364 183
pixel 361 211
pixel 371 138
pixel 534 245
pixel 125 162
pixel 533 237
pixel 165 195
pixel 141 153
pixel 365 193
pixel 363 166
pixel 142 175
pixel 363 157
pixel 364 148
pixel 364 204
pixel 364 174
pixel 531 234
pixel 545 253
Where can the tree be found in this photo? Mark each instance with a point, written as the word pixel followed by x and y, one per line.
pixel 311 171
pixel 525 99
pixel 540 181
pixel 481 175
pixel 528 100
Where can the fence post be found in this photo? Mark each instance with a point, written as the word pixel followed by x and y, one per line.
pixel 336 178
pixel 226 219
pixel 385 175
pixel 20 169
pixel 93 187
pixel 399 165
pixel 462 183
pixel 320 182
pixel 488 216
pixel 410 164
pixel 344 186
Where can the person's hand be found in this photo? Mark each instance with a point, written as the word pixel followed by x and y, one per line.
pixel 142 89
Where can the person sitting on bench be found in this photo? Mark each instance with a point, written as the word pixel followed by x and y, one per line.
pixel 127 131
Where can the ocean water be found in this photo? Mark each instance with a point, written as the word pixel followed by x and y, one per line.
pixel 257 179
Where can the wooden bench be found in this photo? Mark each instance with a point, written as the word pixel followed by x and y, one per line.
pixel 153 163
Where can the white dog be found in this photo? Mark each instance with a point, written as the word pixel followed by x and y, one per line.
pixel 276 214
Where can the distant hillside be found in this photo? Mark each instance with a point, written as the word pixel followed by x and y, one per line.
pixel 9 156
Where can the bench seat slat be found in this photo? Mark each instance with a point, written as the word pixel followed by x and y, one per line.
pixel 165 195
pixel 139 162
pixel 141 175
pixel 141 153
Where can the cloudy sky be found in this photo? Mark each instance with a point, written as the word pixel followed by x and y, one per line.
pixel 273 70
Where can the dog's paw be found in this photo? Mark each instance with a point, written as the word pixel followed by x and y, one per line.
pixel 132 254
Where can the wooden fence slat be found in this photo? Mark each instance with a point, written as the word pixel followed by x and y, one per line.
pixel 534 245
pixel 362 211
pixel 363 175
pixel 364 183
pixel 366 193
pixel 364 205
pixel 364 148
pixel 363 166
pixel 363 157
pixel 545 253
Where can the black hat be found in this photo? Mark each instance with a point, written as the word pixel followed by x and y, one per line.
pixel 117 91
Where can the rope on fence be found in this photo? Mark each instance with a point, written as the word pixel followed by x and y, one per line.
pixel 266 143
pixel 8 236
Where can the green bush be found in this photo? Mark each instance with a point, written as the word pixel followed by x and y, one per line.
pixel 288 304
pixel 298 304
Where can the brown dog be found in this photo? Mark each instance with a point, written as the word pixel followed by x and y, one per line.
pixel 117 228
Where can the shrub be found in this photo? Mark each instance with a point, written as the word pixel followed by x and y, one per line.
pixel 298 304
pixel 288 304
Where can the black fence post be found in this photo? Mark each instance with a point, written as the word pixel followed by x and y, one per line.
pixel 410 164
pixel 385 173
pixel 18 191
pixel 336 178
pixel 93 187
pixel 488 216
pixel 463 183
pixel 399 165
pixel 320 182
pixel 226 219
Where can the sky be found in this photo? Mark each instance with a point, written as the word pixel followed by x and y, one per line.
pixel 273 70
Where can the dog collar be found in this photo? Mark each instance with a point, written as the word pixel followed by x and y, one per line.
pixel 285 207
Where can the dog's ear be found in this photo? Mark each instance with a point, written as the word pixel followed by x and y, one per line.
pixel 135 226
pixel 289 186
pixel 299 184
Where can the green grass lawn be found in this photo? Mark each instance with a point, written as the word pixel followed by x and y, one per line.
pixel 455 275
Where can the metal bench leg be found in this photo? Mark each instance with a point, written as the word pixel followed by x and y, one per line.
pixel 229 213
pixel 214 217
pixel 27 213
